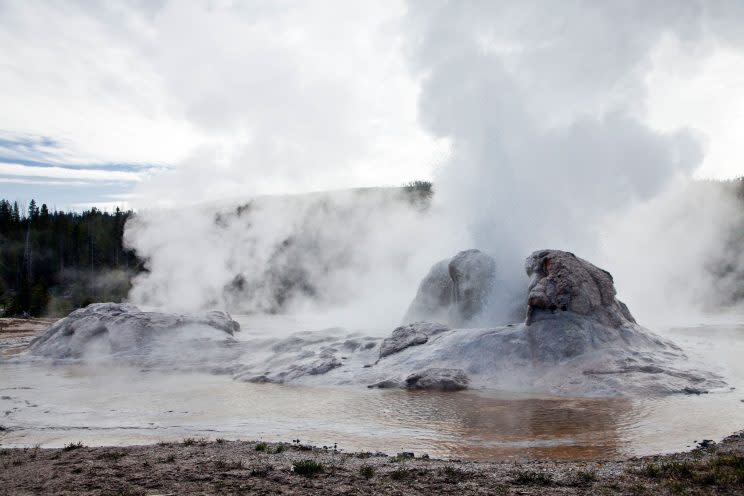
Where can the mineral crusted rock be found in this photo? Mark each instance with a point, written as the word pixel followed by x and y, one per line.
pixel 410 335
pixel 560 281
pixel 116 328
pixel 440 379
pixel 455 290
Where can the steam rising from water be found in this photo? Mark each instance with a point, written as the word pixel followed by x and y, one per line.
pixel 546 113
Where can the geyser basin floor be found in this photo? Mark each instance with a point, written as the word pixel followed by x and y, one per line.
pixel 56 405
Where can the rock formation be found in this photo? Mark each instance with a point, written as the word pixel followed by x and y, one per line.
pixel 561 281
pixel 410 335
pixel 438 379
pixel 104 329
pixel 577 339
pixel 455 290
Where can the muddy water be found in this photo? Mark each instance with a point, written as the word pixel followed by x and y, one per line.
pixel 53 405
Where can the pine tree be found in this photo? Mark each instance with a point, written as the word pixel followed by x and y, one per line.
pixel 33 210
pixel 16 213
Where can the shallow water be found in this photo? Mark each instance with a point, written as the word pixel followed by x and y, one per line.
pixel 54 405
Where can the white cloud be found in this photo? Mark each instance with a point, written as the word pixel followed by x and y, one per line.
pixel 68 173
pixel 40 182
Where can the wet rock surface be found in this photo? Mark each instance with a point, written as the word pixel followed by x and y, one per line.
pixel 438 379
pixel 410 335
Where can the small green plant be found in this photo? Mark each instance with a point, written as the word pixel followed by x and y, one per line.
pixel 219 440
pixel 261 447
pixel 198 441
pixel 73 446
pixel 650 470
pixel 307 468
pixel 366 471
pixel 280 448
pixel 532 478
pixel 585 478
pixel 453 474
pixel 670 470
pixel 400 474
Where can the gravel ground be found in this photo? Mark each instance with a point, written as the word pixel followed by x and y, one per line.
pixel 200 466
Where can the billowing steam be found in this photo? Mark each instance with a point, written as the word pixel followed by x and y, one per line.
pixel 545 108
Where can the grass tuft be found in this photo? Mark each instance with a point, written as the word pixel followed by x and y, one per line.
pixel 585 478
pixel 400 474
pixel 366 471
pixel 307 468
pixel 532 478
pixel 453 474
pixel 73 446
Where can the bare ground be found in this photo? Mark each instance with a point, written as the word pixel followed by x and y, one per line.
pixel 197 466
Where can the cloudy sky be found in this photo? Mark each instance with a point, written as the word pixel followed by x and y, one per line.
pixel 140 102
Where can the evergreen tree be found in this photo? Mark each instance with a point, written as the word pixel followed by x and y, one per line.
pixel 33 210
pixel 16 213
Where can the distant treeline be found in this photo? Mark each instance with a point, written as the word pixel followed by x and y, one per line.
pixel 52 262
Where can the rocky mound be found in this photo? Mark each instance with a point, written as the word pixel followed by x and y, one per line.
pixel 455 290
pixel 561 281
pixel 577 339
pixel 105 329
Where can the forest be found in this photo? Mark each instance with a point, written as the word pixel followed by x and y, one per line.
pixel 52 262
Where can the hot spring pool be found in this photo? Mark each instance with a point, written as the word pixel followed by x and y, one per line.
pixel 52 405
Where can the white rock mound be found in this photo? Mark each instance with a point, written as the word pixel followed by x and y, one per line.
pixel 112 329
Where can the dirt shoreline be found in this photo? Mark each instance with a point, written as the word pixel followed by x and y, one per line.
pixel 16 333
pixel 200 466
